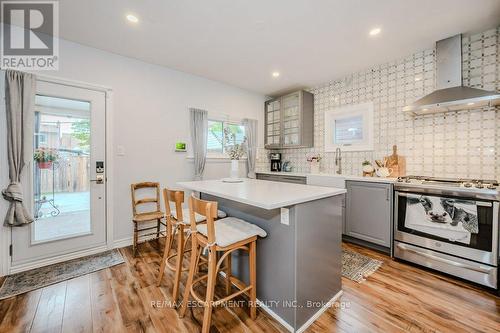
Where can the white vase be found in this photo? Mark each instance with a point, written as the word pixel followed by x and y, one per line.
pixel 235 168
pixel 314 166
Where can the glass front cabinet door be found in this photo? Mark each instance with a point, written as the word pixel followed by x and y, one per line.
pixel 289 121
pixel 273 123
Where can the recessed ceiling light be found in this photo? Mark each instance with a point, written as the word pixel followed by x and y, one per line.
pixel 375 31
pixel 276 74
pixel 425 110
pixel 132 18
pixel 418 78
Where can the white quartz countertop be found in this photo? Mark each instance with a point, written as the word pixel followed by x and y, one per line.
pixel 262 193
pixel 346 177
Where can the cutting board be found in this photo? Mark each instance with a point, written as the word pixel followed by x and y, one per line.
pixel 397 163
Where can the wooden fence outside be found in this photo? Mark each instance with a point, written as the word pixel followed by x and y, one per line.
pixel 69 174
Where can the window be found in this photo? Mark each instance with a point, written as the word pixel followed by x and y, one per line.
pixel 215 142
pixel 42 139
pixel 349 128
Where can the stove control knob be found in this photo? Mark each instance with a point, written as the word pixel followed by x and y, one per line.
pixel 400 179
pixel 467 184
pixel 408 180
pixel 491 186
pixel 479 185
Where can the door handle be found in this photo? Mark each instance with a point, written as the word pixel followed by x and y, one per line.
pixel 479 269
pixel 99 179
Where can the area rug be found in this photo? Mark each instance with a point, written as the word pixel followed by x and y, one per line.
pixel 23 282
pixel 357 267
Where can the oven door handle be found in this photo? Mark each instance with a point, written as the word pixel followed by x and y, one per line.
pixel 478 203
pixel 445 261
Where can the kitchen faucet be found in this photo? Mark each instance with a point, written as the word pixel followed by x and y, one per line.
pixel 338 161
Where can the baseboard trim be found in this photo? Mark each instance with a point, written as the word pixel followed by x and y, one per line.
pixel 320 312
pixel 127 241
pixel 54 260
pixel 369 245
pixel 275 316
pixel 267 310
pixel 124 242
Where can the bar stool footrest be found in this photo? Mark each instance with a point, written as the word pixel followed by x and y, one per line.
pixel 222 300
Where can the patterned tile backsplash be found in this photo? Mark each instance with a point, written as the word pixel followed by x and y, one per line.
pixel 454 144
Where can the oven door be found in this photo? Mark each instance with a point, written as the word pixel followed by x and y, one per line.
pixel 412 227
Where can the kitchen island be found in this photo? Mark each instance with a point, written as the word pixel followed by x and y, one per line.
pixel 299 262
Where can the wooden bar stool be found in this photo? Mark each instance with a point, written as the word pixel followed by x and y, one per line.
pixel 225 236
pixel 146 216
pixel 177 224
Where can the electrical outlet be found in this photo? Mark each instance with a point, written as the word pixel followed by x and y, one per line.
pixel 285 216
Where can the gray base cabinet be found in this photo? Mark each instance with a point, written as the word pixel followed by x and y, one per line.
pixel 369 212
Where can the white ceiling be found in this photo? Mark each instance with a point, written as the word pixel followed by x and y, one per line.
pixel 241 42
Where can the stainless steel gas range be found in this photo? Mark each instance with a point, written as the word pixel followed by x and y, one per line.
pixel 450 225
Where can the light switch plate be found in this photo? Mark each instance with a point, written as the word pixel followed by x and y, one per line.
pixel 120 150
pixel 285 216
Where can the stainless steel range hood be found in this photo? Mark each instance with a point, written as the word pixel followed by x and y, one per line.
pixel 450 94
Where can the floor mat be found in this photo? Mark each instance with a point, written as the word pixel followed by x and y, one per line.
pixel 23 282
pixel 357 267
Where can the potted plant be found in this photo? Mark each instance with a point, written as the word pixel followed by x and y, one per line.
pixel 234 150
pixel 314 162
pixel 368 168
pixel 44 157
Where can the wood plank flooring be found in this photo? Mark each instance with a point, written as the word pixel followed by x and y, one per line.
pixel 125 298
pixel 402 298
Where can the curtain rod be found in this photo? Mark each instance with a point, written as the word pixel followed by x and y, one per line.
pixel 66 82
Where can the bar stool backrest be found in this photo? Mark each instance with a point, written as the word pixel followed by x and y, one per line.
pixel 207 209
pixel 177 197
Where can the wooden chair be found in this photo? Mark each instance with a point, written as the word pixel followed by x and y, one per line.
pixel 223 236
pixel 148 216
pixel 177 224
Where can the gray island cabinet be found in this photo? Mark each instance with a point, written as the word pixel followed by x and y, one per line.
pixel 299 262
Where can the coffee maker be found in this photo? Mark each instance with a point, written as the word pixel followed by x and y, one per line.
pixel 275 161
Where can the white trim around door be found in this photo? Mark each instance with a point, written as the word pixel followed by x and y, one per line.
pixel 5 234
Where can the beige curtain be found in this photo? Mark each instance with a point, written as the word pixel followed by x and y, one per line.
pixel 199 137
pixel 251 134
pixel 19 102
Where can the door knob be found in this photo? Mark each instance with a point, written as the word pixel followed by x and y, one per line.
pixel 99 179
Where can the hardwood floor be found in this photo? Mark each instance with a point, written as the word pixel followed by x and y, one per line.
pixel 124 298
pixel 402 298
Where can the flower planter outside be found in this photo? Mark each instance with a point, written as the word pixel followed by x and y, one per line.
pixel 45 165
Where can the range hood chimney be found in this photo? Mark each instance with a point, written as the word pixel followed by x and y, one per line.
pixel 450 94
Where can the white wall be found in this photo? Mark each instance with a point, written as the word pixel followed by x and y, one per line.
pixel 150 113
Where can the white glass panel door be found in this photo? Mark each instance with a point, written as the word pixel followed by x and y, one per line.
pixel 67 203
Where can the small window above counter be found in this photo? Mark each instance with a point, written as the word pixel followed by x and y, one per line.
pixel 349 128
pixel 289 121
